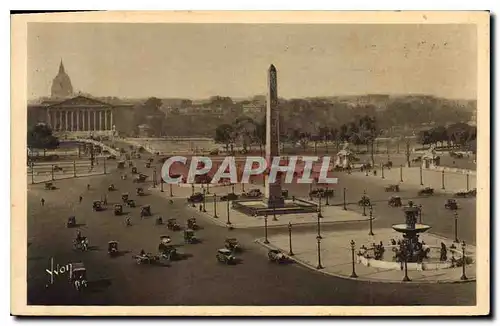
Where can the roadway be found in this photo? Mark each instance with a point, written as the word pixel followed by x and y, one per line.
pixel 198 279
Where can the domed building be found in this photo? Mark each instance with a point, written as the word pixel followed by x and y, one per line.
pixel 61 84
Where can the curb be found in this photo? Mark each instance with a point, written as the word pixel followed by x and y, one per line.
pixel 361 279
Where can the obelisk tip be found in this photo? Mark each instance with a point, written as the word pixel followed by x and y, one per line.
pixel 272 67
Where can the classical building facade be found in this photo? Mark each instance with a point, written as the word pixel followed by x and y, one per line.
pixel 71 115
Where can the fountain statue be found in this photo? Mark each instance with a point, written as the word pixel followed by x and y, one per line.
pixel 410 245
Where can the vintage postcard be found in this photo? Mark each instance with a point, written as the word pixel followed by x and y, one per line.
pixel 251 163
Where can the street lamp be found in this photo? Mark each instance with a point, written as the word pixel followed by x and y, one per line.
pixel 290 252
pixel 456 226
pixel 345 207
pixel 326 194
pixel 364 206
pixel 353 247
pixel 310 191
pixel 442 179
pixel 161 184
pixel 232 188
pixel 274 211
pixel 319 207
pixel 405 257
pixel 371 221
pixel 319 226
pixel 421 177
pixel 192 189
pixel 154 178
pixel 204 201
pixel 228 223
pixel 265 229
pixel 208 188
pixel 463 277
pixel 467 178
pixel 171 193
pixel 215 206
pixel 401 173
pixel 382 165
pixel 420 214
pixel 318 238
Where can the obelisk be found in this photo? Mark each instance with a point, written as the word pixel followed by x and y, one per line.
pixel 273 195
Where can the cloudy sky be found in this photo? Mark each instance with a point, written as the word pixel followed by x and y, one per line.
pixel 201 60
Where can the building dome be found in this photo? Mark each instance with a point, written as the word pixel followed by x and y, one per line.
pixel 61 85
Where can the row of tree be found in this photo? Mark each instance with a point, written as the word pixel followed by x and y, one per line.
pixel 457 135
pixel 247 132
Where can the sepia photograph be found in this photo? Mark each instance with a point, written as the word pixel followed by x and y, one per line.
pixel 314 163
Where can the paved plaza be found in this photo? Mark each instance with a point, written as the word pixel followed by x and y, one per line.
pixel 336 255
pixel 453 181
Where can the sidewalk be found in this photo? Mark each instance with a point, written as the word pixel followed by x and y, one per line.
pixel 336 255
pixel 453 182
pixel 331 214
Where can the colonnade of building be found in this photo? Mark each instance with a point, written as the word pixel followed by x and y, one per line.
pixel 80 119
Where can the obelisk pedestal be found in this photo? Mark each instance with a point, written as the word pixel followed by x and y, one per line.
pixel 273 194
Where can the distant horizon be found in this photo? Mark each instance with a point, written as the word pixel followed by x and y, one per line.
pixel 244 98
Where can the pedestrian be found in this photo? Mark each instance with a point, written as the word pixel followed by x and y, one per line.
pixel 88 186
pixel 105 200
pixel 80 198
pixel 42 201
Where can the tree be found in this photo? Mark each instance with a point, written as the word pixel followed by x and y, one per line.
pixel 368 133
pixel 150 113
pixel 224 134
pixel 40 137
pixel 244 128
pixel 259 134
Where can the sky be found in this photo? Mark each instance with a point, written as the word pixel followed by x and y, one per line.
pixel 138 60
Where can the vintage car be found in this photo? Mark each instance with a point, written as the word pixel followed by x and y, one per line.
pixel 230 196
pixel 120 165
pixel 364 201
pixel 71 222
pixel 139 191
pixel 253 193
pixel 111 157
pixel 140 178
pixel 159 220
pixel 451 204
pixel 195 198
pixel 189 236
pixel 97 206
pixel 146 259
pixel 417 159
pixel 78 276
pixel 145 210
pixel 427 191
pixel 130 164
pixel 276 256
pixel 395 201
pixel 147 165
pixel 57 168
pixel 81 244
pixel 125 197
pixel 167 251
pixel 118 209
pixel 321 192
pixel 113 248
pixel 284 193
pixel 225 256
pixel 232 244
pixel 392 188
pixel 131 203
pixel 49 186
pixel 151 160
pixel 387 165
pixel 111 187
pixel 173 225
pixel 191 223
pixel 134 169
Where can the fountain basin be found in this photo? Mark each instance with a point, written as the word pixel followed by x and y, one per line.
pixel 404 228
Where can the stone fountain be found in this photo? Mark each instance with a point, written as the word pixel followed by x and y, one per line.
pixel 410 231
